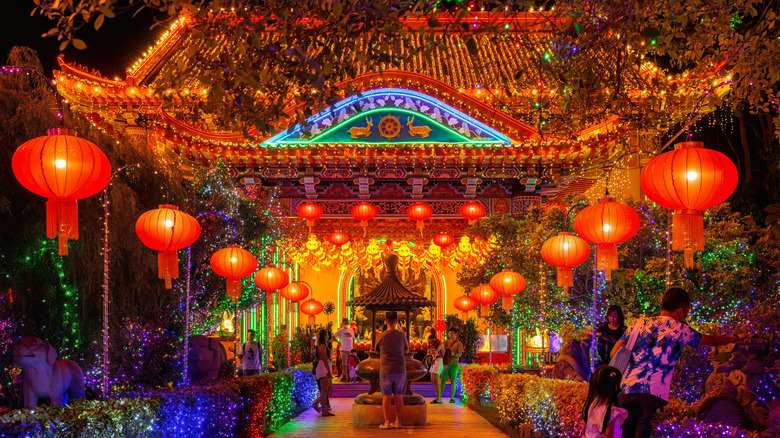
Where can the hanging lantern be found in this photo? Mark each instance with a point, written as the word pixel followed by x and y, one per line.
pixel 472 211
pixel 419 212
pixel 63 168
pixel 606 224
pixel 271 278
pixel 485 296
pixel 508 284
pixel 689 180
pixel 465 304
pixel 363 212
pixel 310 212
pixel 167 230
pixel 443 240
pixel 338 238
pixel 553 206
pixel 311 307
pixel 294 292
pixel 234 263
pixel 565 251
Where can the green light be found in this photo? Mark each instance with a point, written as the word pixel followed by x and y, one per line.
pixel 653 41
pixel 547 56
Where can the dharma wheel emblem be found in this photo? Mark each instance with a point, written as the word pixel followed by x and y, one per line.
pixel 389 126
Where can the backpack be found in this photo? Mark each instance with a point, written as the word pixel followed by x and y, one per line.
pixel 448 353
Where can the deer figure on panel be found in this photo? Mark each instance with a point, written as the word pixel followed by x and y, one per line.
pixel 361 131
pixel 422 131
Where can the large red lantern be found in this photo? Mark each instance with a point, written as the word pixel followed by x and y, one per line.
pixel 606 224
pixel 310 212
pixel 311 307
pixel 234 263
pixel 363 212
pixel 507 283
pixel 63 168
pixel 565 251
pixel 485 296
pixel 419 212
pixel 689 180
pixel 465 304
pixel 271 279
pixel 443 240
pixel 338 238
pixel 472 211
pixel 294 292
pixel 167 230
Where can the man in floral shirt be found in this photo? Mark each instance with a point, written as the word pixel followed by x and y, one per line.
pixel 660 340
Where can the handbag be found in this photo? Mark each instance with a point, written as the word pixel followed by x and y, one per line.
pixel 622 357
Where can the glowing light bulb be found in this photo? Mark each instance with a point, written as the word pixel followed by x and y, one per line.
pixel 168 223
pixel 565 246
pixel 692 175
pixel 606 227
pixel 60 163
pixel 233 260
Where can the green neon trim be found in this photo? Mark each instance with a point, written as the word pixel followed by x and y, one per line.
pixel 350 294
pixel 338 296
pixel 444 286
pixel 389 109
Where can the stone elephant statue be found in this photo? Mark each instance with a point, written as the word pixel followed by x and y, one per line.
pixel 206 357
pixel 574 361
pixel 45 376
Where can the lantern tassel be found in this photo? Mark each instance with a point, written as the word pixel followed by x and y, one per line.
pixel 168 266
pixel 688 252
pixel 687 230
pixel 607 255
pixel 62 219
pixel 464 316
pixel 234 287
pixel 420 226
pixel 507 302
pixel 565 278
pixel 312 319
pixel 364 224
pixel 484 310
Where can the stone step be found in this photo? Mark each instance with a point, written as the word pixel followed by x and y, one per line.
pixel 352 390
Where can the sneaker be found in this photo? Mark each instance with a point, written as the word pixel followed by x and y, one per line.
pixel 435 402
pixel 452 401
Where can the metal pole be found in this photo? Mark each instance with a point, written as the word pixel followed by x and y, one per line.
pixel 104 382
pixel 669 251
pixel 235 337
pixel 185 372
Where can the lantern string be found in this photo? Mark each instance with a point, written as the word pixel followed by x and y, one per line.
pixel 47 81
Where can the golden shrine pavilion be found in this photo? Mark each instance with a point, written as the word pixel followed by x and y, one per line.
pixel 428 130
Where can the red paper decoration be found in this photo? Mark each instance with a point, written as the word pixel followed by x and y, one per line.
pixel 419 212
pixel 689 180
pixel 507 283
pixel 234 263
pixel 311 307
pixel 472 211
pixel 167 230
pixel 310 212
pixel 271 279
pixel 295 292
pixel 443 240
pixel 565 251
pixel 606 224
pixel 485 296
pixel 363 212
pixel 63 168
pixel 552 206
pixel 465 304
pixel 338 238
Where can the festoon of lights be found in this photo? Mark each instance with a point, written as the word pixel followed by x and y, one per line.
pixel 689 180
pixel 606 224
pixel 167 230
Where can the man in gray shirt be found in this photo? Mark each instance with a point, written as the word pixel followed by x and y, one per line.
pixel 393 347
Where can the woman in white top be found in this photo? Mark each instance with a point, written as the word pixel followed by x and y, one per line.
pixel 603 416
pixel 324 373
pixel 436 351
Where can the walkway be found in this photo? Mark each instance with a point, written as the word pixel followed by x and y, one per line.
pixel 445 420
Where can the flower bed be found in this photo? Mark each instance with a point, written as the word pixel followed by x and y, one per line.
pixel 249 407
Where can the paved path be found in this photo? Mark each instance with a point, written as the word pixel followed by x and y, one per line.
pixel 444 421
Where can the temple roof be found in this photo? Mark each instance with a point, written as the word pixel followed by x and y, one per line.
pixel 391 294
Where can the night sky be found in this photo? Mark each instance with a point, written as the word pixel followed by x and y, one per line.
pixel 116 46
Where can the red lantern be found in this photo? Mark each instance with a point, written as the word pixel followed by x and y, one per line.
pixel 472 211
pixel 234 263
pixel 363 212
pixel 338 238
pixel 295 292
pixel 485 296
pixel 507 283
pixel 419 212
pixel 63 168
pixel 689 180
pixel 465 304
pixel 167 230
pixel 311 307
pixel 310 212
pixel 552 206
pixel 443 240
pixel 606 224
pixel 565 251
pixel 271 278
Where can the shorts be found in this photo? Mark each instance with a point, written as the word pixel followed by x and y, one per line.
pixel 438 366
pixel 393 384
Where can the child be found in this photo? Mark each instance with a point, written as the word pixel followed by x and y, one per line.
pixel 353 361
pixel 603 417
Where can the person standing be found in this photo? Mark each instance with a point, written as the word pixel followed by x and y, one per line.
pixel 436 351
pixel 346 337
pixel 324 373
pixel 251 352
pixel 659 342
pixel 609 332
pixel 451 366
pixel 393 347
